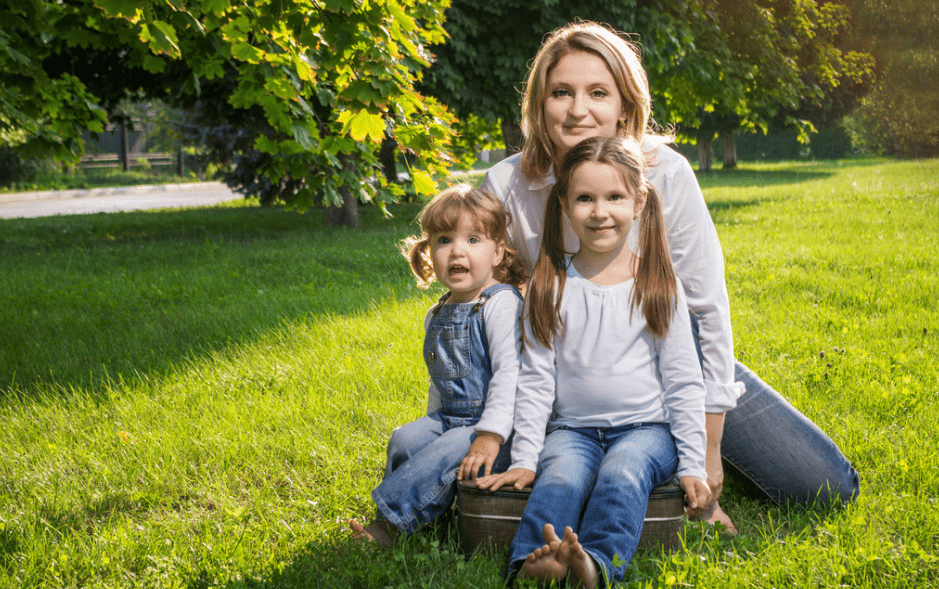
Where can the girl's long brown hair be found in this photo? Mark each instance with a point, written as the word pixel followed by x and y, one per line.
pixel 655 288
pixel 443 213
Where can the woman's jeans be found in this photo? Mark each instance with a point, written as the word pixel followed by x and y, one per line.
pixel 785 455
pixel 769 442
pixel 597 481
pixel 420 475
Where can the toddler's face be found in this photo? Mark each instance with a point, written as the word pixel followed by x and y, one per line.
pixel 464 259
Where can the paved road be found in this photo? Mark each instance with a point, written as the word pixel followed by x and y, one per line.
pixel 109 200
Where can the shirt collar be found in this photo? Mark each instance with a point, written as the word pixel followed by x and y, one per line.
pixel 546 181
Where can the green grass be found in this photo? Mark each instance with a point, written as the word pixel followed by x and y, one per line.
pixel 46 179
pixel 201 398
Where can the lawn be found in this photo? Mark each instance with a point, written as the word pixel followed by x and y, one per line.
pixel 201 398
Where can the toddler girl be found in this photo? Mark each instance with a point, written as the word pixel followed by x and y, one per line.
pixel 609 369
pixel 471 349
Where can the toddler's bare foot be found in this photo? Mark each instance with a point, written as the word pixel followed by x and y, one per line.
pixel 379 532
pixel 719 515
pixel 549 563
pixel 583 569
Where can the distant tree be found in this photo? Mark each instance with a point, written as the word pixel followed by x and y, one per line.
pixel 901 116
pixel 322 81
pixel 753 65
pixel 715 66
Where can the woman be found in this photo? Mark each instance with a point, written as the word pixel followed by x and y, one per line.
pixel 587 81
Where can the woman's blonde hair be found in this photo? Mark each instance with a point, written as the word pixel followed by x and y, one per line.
pixel 655 289
pixel 444 212
pixel 622 58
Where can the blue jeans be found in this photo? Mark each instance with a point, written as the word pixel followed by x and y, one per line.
pixel 597 481
pixel 789 458
pixel 770 443
pixel 420 474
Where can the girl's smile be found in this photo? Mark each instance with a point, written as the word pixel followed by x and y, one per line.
pixel 601 209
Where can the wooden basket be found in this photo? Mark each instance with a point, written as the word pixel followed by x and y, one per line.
pixel 489 519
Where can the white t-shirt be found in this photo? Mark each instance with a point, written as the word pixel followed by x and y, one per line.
pixel 692 241
pixel 606 369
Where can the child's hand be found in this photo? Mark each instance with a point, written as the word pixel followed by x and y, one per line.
pixel 697 492
pixel 517 477
pixel 482 453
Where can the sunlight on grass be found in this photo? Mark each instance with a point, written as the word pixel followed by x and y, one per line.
pixel 203 398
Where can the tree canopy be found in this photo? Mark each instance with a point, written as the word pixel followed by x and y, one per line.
pixel 329 79
pixel 713 65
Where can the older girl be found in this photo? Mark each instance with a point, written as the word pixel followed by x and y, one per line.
pixel 609 368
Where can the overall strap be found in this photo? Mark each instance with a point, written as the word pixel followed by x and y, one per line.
pixel 492 290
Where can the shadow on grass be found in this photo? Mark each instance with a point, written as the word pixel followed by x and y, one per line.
pixel 745 177
pixel 430 558
pixel 86 299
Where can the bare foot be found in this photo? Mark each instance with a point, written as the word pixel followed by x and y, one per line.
pixel 379 532
pixel 583 569
pixel 547 564
pixel 718 515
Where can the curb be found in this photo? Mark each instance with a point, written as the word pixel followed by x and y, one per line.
pixel 111 191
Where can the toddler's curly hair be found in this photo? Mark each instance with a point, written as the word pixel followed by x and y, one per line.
pixel 444 212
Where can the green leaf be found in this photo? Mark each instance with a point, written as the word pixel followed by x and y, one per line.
pixel 216 7
pixel 121 8
pixel 302 135
pixel 245 52
pixel 363 124
pixel 161 37
pixel 153 64
pixel 424 184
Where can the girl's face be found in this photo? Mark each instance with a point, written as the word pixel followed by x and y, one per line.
pixel 581 101
pixel 464 259
pixel 601 208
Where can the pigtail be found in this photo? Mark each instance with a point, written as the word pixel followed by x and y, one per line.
pixel 543 299
pixel 416 250
pixel 656 288
pixel 513 269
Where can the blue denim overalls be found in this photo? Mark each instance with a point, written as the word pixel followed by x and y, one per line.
pixel 457 356
pixel 419 482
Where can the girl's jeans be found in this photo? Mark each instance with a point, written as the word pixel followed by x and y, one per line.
pixel 423 459
pixel 597 481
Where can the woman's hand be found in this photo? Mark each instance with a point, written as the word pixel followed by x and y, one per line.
pixel 714 424
pixel 482 454
pixel 518 478
pixel 696 491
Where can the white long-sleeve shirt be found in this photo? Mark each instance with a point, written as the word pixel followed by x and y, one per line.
pixel 607 369
pixel 502 317
pixel 692 242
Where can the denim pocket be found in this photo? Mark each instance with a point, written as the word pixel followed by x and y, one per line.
pixel 451 357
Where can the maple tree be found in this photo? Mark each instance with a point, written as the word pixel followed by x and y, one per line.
pixel 330 79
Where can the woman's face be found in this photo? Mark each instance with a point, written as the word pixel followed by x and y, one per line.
pixel 581 101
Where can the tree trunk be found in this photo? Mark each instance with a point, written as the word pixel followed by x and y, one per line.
pixel 387 156
pixel 125 148
pixel 512 134
pixel 704 154
pixel 346 215
pixel 730 150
